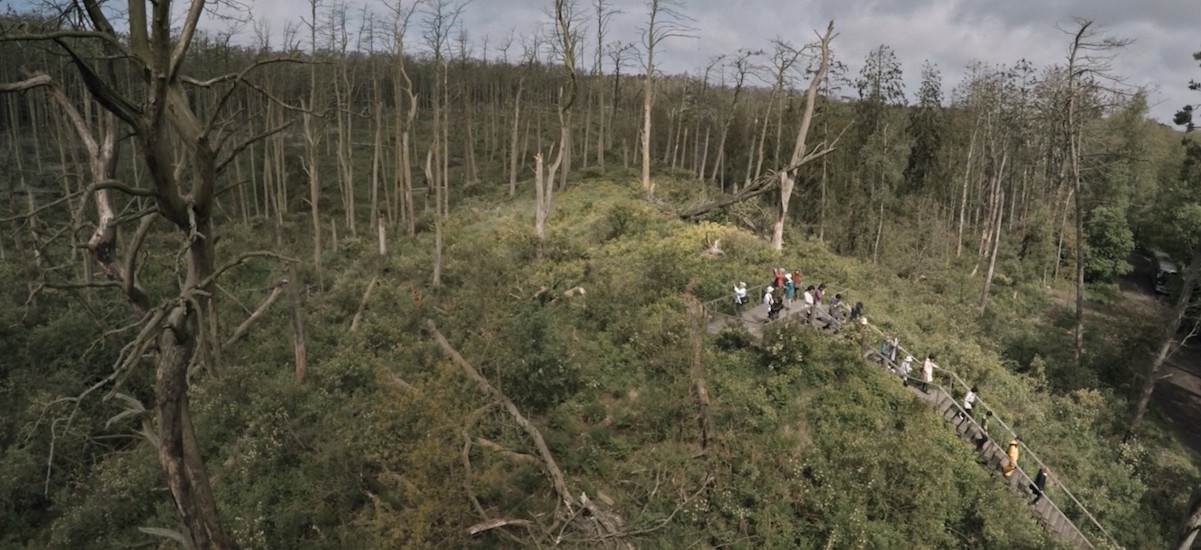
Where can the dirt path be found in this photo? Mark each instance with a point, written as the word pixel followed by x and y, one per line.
pixel 1178 395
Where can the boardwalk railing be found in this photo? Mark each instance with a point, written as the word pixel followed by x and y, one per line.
pixel 724 310
pixel 955 381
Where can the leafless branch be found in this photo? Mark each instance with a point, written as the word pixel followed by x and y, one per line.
pixel 237 150
pixel 109 39
pixel 241 259
pixel 258 313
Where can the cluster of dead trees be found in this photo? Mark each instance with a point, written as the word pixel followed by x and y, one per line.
pixel 152 127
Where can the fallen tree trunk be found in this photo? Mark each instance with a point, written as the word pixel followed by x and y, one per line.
pixel 358 315
pixel 548 461
pixel 758 187
pixel 258 314
pixel 696 314
pixel 604 525
pixel 764 184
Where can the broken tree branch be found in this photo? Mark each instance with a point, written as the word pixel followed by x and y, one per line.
pixel 358 315
pixel 497 522
pixel 258 313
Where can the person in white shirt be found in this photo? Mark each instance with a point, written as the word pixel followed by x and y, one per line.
pixel 767 297
pixel 906 368
pixel 927 373
pixel 739 297
pixel 969 400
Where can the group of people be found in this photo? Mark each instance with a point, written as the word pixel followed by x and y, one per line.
pixel 888 356
pixel 779 295
pixel 784 288
pixel 889 350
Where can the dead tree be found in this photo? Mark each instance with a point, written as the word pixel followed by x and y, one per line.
pixel 1087 59
pixel 664 20
pixel 799 155
pixel 785 176
pixel 182 155
pixel 567 40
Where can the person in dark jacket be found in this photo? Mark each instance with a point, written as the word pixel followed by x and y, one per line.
pixel 1039 485
pixel 857 311
pixel 982 440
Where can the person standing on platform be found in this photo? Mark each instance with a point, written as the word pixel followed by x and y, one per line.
pixel 740 298
pixel 789 290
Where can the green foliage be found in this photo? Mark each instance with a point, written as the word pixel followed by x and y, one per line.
pixel 1110 242
pixel 539 374
pixel 387 443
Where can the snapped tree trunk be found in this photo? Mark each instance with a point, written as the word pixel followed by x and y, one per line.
pixel 799 157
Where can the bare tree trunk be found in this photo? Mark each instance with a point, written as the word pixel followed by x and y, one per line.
pixel 648 91
pixel 382 230
pixel 377 148
pixel 992 260
pixel 821 214
pixel 967 171
pixel 799 156
pixel 1074 160
pixel 513 142
pixel 299 347
pixel 1063 229
pixel 600 124
pixel 879 234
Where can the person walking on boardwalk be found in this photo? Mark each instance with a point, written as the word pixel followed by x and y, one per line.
pixel 817 294
pixel 740 298
pixel 778 277
pixel 906 368
pixel 894 345
pixel 857 311
pixel 1040 484
pixel 927 373
pixel 834 313
pixel 1014 451
pixel 809 303
pixel 969 400
pixel 982 439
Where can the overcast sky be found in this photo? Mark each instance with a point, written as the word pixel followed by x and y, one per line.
pixel 950 33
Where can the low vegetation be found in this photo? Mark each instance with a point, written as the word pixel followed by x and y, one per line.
pixel 388 444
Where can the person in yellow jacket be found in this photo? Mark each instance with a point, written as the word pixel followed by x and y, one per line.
pixel 1014 451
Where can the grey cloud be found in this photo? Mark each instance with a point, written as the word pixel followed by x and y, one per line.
pixel 950 33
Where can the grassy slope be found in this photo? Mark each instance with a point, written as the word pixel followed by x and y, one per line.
pixel 813 449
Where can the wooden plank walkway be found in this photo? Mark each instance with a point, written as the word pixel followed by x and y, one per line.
pixel 992 455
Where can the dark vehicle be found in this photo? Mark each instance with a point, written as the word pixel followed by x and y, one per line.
pixel 1165 271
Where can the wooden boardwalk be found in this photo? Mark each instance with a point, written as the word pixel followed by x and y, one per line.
pixel 992 454
pixel 993 458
